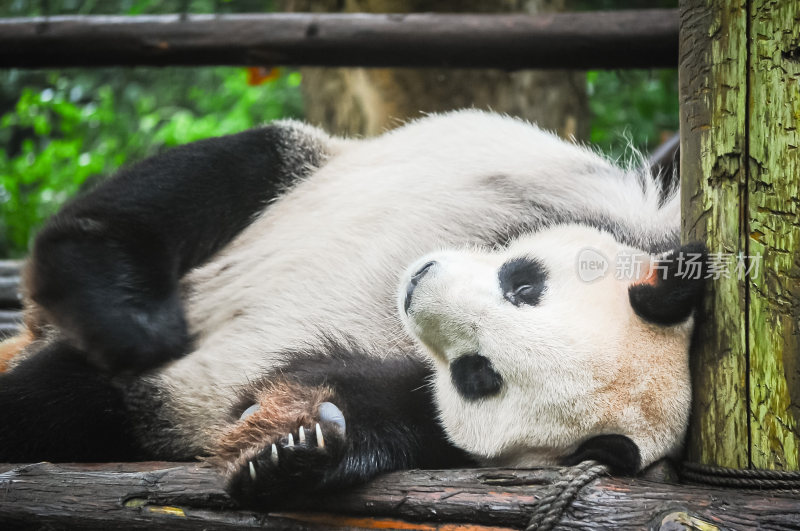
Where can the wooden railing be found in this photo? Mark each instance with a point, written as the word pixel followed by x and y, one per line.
pixel 610 39
pixel 10 298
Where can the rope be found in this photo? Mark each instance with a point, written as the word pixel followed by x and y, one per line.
pixel 562 493
pixel 746 478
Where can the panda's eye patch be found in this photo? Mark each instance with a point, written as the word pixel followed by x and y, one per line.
pixel 522 281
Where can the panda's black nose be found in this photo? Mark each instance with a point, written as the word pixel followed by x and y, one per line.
pixel 412 284
pixel 422 272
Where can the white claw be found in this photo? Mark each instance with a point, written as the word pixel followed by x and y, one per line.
pixel 301 435
pixel 320 439
pixel 291 440
pixel 252 470
pixel 274 455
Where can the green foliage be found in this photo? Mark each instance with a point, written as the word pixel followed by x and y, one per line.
pixel 69 126
pixel 634 107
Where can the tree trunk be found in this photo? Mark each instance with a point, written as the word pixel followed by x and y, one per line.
pixel 740 164
pixel 358 101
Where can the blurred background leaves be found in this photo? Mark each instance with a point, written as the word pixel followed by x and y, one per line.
pixel 68 126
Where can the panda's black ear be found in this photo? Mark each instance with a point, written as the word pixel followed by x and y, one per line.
pixel 618 452
pixel 673 286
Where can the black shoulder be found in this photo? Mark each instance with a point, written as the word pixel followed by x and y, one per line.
pixel 106 268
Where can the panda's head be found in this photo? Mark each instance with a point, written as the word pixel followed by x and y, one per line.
pixel 563 337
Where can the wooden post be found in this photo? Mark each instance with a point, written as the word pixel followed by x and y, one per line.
pixel 774 216
pixel 740 172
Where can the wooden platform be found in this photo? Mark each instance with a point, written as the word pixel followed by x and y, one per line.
pixel 191 496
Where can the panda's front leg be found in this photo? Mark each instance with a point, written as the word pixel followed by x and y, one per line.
pixel 304 462
pixel 391 424
pixel 292 441
pixel 106 269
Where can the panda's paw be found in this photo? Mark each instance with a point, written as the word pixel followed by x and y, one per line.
pixel 292 465
pixel 132 338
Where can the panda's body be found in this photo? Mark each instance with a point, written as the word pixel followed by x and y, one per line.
pixel 327 257
pixel 318 270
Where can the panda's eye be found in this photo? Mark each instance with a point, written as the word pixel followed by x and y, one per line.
pixel 522 281
pixel 525 294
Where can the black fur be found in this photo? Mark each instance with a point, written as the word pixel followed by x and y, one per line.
pixel 474 377
pixel 391 418
pixel 56 407
pixel 106 268
pixel 672 299
pixel 618 452
pixel 522 281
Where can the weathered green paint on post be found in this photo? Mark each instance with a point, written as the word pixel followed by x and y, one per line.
pixel 740 172
pixel 713 66
pixel 774 216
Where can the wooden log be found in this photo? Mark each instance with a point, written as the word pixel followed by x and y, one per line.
pixel 613 39
pixel 10 298
pixel 9 284
pixel 10 323
pixel 740 163
pixel 189 496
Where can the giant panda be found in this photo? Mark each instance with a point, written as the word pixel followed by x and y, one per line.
pixel 305 311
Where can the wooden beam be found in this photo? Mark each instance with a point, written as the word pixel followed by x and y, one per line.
pixel 10 298
pixel 189 496
pixel 612 39
pixel 740 164
pixel 10 272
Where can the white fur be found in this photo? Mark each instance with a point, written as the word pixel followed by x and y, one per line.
pixel 326 257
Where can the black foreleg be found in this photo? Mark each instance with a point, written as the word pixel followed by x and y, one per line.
pixel 105 269
pixel 56 407
pixel 390 422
